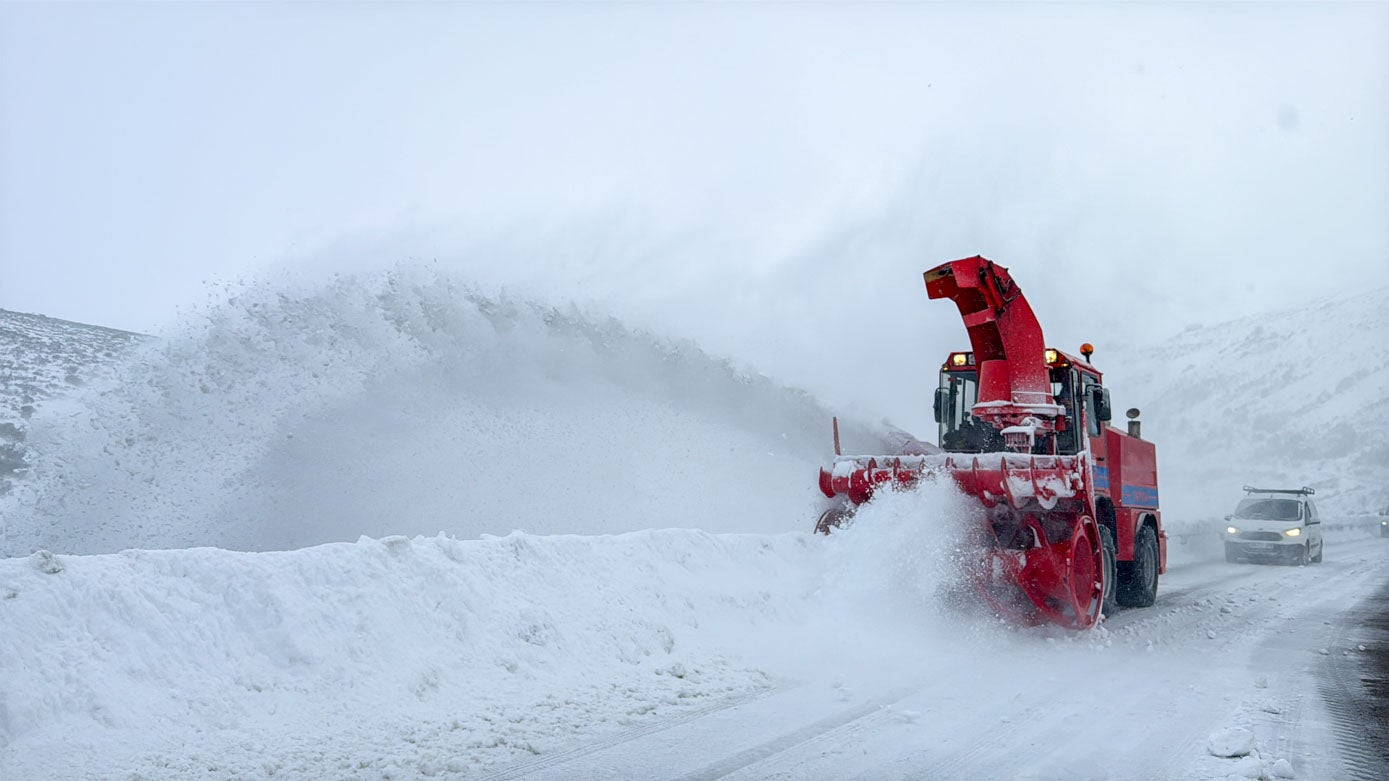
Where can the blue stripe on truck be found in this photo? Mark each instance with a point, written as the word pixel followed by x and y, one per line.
pixel 1102 478
pixel 1140 496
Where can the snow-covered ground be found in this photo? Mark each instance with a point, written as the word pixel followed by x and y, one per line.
pixel 659 654
pixel 665 613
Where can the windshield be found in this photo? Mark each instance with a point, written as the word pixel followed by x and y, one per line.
pixel 961 432
pixel 1270 510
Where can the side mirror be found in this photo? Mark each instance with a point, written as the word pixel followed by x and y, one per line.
pixel 1230 517
pixel 942 401
pixel 1099 397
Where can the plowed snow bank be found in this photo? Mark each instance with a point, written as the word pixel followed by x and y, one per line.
pixel 476 652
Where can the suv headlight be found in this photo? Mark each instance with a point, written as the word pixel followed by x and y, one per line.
pixel 1294 532
pixel 1231 530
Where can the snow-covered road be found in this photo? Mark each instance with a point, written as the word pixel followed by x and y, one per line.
pixel 1228 648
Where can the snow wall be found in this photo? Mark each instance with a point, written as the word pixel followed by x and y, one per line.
pixel 413 658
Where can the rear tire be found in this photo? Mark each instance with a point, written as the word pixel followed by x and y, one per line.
pixel 1138 579
pixel 1111 573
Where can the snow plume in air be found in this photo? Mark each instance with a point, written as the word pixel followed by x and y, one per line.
pixel 901 558
pixel 409 403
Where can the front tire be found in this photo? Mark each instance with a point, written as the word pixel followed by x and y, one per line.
pixel 1138 579
pixel 1111 573
pixel 1317 558
pixel 833 519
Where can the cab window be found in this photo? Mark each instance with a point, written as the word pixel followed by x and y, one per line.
pixel 960 431
pixel 1063 383
pixel 1092 421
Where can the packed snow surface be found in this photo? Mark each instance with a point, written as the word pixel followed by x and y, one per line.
pixel 659 653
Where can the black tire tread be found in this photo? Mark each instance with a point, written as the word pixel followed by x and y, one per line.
pixel 1131 591
pixel 1111 601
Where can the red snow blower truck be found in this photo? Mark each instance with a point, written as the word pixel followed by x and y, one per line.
pixel 1069 521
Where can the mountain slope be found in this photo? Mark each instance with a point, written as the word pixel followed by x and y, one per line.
pixel 41 358
pixel 1286 399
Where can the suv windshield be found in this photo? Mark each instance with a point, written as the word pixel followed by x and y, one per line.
pixel 1270 510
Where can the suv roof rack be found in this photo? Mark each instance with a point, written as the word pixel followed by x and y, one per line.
pixel 1303 490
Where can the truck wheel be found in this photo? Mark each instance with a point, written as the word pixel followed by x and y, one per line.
pixel 1317 558
pixel 1111 574
pixel 1303 554
pixel 1138 579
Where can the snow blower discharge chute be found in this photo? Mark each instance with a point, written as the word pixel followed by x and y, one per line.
pixel 1070 527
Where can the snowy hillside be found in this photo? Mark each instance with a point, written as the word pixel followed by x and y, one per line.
pixel 40 358
pixel 406 404
pixel 1290 398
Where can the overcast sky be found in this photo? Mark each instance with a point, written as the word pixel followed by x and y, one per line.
pixel 748 176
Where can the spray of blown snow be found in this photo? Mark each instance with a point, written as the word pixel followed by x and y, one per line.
pixel 409 403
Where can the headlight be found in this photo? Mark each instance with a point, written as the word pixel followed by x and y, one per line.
pixel 1231 530
pixel 1293 532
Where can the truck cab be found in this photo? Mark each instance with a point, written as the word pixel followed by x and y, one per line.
pixel 1122 466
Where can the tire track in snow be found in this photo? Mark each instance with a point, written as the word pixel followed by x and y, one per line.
pixel 1029 726
pixel 1364 742
pixel 545 761
pixel 1287 721
pixel 836 723
pixel 953 764
pixel 1199 614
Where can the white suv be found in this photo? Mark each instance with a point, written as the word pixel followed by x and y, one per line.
pixel 1274 524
